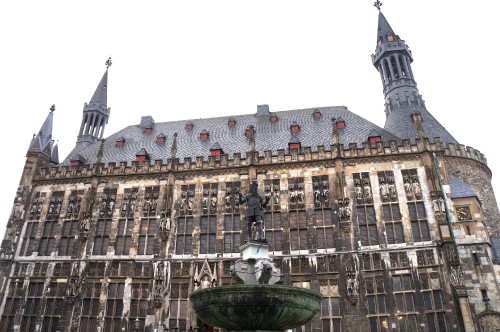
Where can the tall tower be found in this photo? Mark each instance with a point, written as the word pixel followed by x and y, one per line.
pixel 406 114
pixel 95 115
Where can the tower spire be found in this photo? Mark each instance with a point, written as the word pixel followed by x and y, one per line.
pixel 95 115
pixel 393 60
pixel 42 141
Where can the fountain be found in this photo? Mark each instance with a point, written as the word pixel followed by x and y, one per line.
pixel 256 302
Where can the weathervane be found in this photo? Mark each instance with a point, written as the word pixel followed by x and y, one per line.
pixel 52 108
pixel 377 4
pixel 108 63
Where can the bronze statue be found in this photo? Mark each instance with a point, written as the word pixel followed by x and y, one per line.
pixel 255 204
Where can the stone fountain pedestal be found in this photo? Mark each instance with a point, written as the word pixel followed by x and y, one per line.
pixel 256 303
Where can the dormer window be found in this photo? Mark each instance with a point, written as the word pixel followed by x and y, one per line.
pixel 141 156
pixel 189 126
pixel 416 116
pixel 147 130
pixel 340 123
pixel 120 142
pixel 295 128
pixel 77 160
pixel 273 118
pixel 249 131
pixel 379 42
pixel 204 135
pixel 316 114
pixel 294 146
pixel 390 38
pixel 374 139
pixel 160 139
pixel 231 122
pixel 216 150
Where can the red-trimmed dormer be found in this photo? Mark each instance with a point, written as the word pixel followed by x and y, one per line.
pixel 204 135
pixel 147 130
pixel 160 139
pixel 294 127
pixel 416 117
pixel 231 122
pixel 77 160
pixel 374 137
pixel 189 126
pixel 120 141
pixel 340 123
pixel 142 156
pixel 216 150
pixel 249 131
pixel 273 118
pixel 316 114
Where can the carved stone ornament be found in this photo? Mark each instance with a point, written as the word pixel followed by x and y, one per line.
pixel 159 289
pixel 165 224
pixel 84 226
pixel 75 285
pixel 489 321
pixel 344 214
pixel 205 278
pixel 352 278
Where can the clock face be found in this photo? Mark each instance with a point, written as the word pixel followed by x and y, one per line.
pixel 463 213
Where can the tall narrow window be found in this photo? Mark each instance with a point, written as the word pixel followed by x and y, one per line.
pixel 404 294
pixel 330 305
pixel 139 301
pixel 147 233
pixel 101 239
pixel 47 241
pixel 367 225
pixel 376 303
pixel 232 222
pixel 418 219
pixel 184 240
pixel 68 237
pixel 322 212
pixel 123 236
pixel 29 239
pixel 178 305
pixel 114 307
pixel 393 223
pixel 433 301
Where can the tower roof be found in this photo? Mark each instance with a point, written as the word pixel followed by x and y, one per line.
pixel 42 141
pixel 101 92
pixel 384 29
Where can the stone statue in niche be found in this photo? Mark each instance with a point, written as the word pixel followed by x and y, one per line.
pixel 367 192
pixel 316 194
pixel 276 192
pixel 416 188
pixel 190 201
pixel 325 193
pixel 204 201
pixel 408 189
pixel 84 225
pixel 300 195
pixel 358 191
pixel 255 204
pixel 384 190
pixel 165 224
pixel 391 187
pixel 213 201
pixel 183 203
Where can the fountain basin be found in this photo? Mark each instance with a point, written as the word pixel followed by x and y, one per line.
pixel 246 307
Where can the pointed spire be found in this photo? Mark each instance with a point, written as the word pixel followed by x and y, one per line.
pixel 384 32
pixel 42 141
pixel 95 116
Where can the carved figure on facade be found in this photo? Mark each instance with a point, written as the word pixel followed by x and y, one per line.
pixel 367 190
pixel 267 195
pixel 325 193
pixel 351 267
pixel 74 285
pixel 204 201
pixel 213 201
pixel 276 193
pixel 190 201
pixel 159 289
pixel 316 194
pixel 408 189
pixel 84 226
pixel 165 224
pixel 358 191
pixel 254 214
pixel 456 276
pixel 384 190
pixel 391 187
pixel 228 199
pixel 205 278
pixel 417 191
pixel 344 214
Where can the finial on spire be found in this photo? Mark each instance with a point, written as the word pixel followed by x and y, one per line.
pixel 377 4
pixel 52 108
pixel 108 63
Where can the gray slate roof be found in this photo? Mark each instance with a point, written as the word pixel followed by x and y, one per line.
pixel 460 189
pixel 400 123
pixel 313 132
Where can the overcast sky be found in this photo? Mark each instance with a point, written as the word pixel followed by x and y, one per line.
pixel 178 60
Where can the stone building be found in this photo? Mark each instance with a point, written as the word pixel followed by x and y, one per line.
pixel 396 226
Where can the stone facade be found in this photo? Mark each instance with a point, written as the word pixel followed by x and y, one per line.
pixel 393 226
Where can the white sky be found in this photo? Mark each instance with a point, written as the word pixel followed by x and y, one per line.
pixel 193 59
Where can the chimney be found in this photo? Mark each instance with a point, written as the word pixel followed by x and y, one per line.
pixel 263 110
